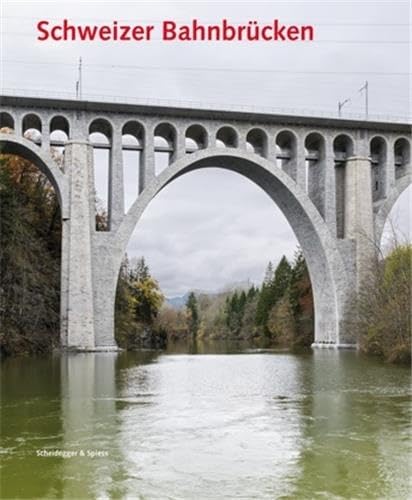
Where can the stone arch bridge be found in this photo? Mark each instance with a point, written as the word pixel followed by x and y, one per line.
pixel 335 180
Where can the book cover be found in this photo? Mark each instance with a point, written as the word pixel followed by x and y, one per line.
pixel 205 259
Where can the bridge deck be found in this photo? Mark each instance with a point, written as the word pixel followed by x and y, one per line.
pixel 208 113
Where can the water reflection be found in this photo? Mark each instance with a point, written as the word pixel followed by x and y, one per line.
pixel 210 424
pixel 354 419
pixel 205 421
pixel 30 419
pixel 90 425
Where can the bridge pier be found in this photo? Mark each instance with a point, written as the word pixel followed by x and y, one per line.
pixel 78 282
pixel 358 225
pixel 357 248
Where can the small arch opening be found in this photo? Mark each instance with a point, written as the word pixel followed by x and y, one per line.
pixel 100 137
pixel 342 150
pixel 256 142
pixel 315 169
pixel 378 161
pixel 6 122
pixel 285 148
pixel 402 152
pixel 195 139
pixel 132 147
pixel 60 124
pixel 31 128
pixel 164 146
pixel 226 137
pixel 315 147
pixel 59 135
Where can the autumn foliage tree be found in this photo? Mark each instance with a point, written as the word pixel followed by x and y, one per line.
pixel 138 301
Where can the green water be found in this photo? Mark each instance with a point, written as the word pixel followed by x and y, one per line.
pixel 216 422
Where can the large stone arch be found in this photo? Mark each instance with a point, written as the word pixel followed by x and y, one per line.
pixel 385 207
pixel 326 268
pixel 11 144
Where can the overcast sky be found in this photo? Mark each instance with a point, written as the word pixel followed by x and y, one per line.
pixel 212 228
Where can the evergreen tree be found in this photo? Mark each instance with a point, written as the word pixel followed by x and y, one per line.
pixel 263 305
pixel 281 280
pixel 227 311
pixel 252 292
pixel 235 313
pixel 193 309
pixel 141 270
pixel 242 303
pixel 291 317
pixel 272 290
pixel 268 274
pixel 298 273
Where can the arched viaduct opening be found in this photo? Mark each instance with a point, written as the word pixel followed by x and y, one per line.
pixel 30 234
pixel 392 218
pixel 314 239
pixel 391 192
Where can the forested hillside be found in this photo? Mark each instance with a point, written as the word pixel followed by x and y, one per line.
pixel 30 234
pixel 280 312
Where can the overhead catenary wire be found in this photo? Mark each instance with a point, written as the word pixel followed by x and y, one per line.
pixel 320 112
pixel 209 68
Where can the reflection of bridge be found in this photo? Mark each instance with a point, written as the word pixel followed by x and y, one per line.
pixel 334 180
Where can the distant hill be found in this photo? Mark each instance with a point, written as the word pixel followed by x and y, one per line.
pixel 177 302
pixel 180 301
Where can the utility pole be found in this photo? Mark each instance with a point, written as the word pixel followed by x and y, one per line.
pixel 340 106
pixel 79 81
pixel 366 89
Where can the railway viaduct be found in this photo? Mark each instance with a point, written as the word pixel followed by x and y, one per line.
pixel 335 180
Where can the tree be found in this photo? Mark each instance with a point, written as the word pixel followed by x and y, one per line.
pixel 141 270
pixel 272 290
pixel 146 298
pixel 138 301
pixel 281 322
pixel 263 305
pixel 173 322
pixel 124 314
pixel 384 320
pixel 281 279
pixel 252 292
pixel 193 310
pixel 268 274
pixel 248 329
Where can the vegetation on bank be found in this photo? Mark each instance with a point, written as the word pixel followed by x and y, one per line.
pixel 280 312
pixel 384 319
pixel 30 234
pixel 138 301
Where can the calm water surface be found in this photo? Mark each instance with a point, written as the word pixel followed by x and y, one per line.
pixel 215 422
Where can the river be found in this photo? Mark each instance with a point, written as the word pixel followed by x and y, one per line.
pixel 207 422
